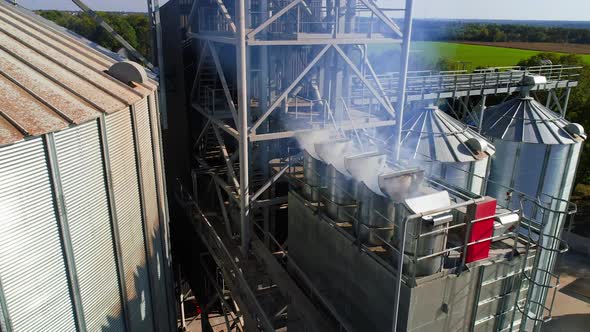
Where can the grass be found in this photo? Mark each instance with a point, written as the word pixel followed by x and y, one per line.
pixel 473 55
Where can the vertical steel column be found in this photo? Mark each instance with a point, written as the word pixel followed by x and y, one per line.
pixel 154 119
pixel 481 111
pixel 144 219
pixel 403 75
pixel 243 125
pixel 157 27
pixel 64 232
pixel 4 317
pixel 568 91
pixel 263 100
pixel 114 221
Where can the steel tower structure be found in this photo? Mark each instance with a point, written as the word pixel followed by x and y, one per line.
pixel 262 75
pixel 268 72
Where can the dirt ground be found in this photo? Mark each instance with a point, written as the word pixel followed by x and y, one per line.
pixel 571 312
pixel 545 47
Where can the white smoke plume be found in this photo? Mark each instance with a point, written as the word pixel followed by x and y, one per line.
pixel 366 168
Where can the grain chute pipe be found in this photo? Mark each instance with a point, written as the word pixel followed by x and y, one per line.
pixel 243 138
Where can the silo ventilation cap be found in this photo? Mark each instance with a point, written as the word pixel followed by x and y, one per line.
pixel 576 130
pixel 477 145
pixel 128 71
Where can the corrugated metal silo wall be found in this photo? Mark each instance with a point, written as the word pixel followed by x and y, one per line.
pixel 84 235
pixel 32 268
pixel 79 155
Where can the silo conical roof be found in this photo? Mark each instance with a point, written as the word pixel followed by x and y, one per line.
pixel 525 120
pixel 431 134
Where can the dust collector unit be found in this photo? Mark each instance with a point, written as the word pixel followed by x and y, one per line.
pixel 83 221
pixel 446 148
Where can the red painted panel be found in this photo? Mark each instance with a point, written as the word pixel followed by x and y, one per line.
pixel 480 230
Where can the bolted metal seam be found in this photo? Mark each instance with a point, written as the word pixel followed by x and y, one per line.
pixel 143 208
pixel 64 232
pixel 114 221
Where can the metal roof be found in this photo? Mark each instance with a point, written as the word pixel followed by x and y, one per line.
pixel 525 120
pixel 51 79
pixel 431 134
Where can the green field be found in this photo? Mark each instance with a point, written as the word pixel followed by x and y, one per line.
pixel 474 55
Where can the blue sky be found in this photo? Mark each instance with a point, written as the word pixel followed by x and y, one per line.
pixel 486 9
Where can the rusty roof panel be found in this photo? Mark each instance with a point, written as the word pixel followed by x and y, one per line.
pixel 51 78
pixel 41 87
pixel 62 76
pixel 28 113
pixel 8 132
pixel 57 38
pixel 104 85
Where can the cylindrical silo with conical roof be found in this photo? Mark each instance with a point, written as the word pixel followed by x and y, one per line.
pixel 445 148
pixel 537 150
pixel 537 153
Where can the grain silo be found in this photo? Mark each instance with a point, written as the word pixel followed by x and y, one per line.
pixel 83 218
pixel 446 148
pixel 537 149
pixel 534 168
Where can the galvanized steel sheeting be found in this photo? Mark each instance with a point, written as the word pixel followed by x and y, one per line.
pixel 151 208
pixel 129 217
pixel 51 81
pixel 166 260
pixel 525 120
pixel 80 157
pixel 32 269
pixel 436 142
pixel 38 286
pixel 431 134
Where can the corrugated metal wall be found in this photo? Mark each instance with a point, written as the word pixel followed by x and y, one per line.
pixel 79 155
pixel 152 213
pixel 122 154
pixel 84 234
pixel 163 205
pixel 32 268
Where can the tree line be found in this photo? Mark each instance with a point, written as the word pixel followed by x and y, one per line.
pixel 491 32
pixel 134 27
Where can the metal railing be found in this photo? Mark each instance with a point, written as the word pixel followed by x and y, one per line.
pixel 232 272
pixel 314 18
pixel 423 82
pixel 296 179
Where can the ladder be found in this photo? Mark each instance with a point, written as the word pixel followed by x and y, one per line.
pixel 498 291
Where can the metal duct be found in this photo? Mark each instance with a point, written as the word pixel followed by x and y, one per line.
pixel 313 173
pixel 340 187
pixel 398 185
pixel 372 225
